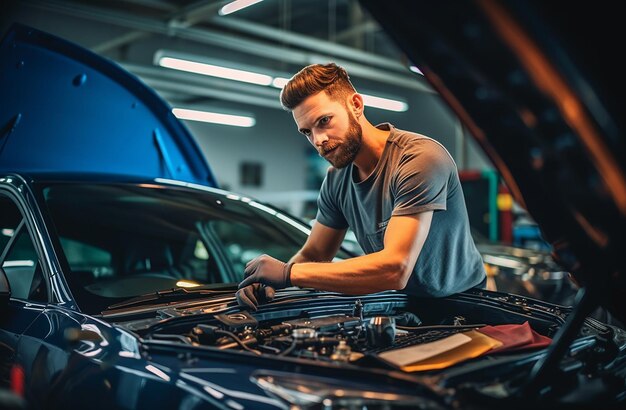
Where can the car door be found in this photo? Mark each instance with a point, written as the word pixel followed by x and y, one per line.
pixel 29 289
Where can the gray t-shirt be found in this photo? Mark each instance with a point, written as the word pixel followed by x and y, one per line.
pixel 414 174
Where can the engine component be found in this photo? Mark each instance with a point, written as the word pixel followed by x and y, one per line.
pixel 338 338
pixel 342 352
pixel 303 333
pixel 326 324
pixel 381 331
pixel 204 334
pixel 237 322
pixel 357 311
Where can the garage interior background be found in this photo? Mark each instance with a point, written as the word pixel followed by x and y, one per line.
pixel 267 159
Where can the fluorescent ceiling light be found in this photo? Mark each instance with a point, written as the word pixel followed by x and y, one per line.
pixel 237 5
pixel 384 103
pixel 369 100
pixel 280 82
pixel 262 79
pixel 215 71
pixel 214 117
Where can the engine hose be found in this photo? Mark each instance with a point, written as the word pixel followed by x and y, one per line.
pixel 237 340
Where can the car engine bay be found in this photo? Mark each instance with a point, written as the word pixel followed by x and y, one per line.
pixel 359 330
pixel 334 338
pixel 365 335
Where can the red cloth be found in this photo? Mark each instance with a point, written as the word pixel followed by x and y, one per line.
pixel 515 337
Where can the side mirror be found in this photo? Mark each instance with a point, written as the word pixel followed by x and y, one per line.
pixel 5 288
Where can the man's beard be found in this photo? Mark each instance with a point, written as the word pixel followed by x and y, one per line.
pixel 348 150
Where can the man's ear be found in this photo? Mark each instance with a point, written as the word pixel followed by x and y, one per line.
pixel 356 104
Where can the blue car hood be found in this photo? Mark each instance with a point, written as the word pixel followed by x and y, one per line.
pixel 66 109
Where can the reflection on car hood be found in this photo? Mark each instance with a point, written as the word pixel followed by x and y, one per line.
pixel 83 113
pixel 536 94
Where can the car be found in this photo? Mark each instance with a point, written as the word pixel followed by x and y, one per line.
pixel 513 269
pixel 525 271
pixel 118 278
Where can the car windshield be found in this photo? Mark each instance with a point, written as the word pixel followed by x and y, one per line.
pixel 120 241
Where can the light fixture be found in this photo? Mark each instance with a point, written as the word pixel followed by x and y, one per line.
pixel 199 65
pixel 215 71
pixel 236 5
pixel 369 100
pixel 214 117
pixel 280 82
pixel 384 103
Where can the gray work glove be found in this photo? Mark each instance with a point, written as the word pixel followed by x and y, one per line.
pixel 253 295
pixel 268 271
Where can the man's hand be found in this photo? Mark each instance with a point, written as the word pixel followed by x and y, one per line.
pixel 268 271
pixel 253 295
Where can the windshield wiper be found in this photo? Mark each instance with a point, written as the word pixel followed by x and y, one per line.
pixel 173 294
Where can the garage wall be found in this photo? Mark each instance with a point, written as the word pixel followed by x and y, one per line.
pixel 273 142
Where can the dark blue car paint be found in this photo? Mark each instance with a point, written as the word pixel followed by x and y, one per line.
pixel 35 337
pixel 67 109
pixel 17 188
pixel 105 366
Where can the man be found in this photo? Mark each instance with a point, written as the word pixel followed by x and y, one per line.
pixel 398 191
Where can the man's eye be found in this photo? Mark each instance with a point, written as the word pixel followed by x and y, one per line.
pixel 324 120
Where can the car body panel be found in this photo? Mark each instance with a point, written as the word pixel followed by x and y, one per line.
pixel 86 114
pixel 141 356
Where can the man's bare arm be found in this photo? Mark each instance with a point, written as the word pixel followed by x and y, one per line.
pixel 387 269
pixel 321 246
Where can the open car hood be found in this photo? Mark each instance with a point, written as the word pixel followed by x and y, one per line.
pixel 65 108
pixel 538 92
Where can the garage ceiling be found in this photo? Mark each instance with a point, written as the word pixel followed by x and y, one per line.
pixel 273 37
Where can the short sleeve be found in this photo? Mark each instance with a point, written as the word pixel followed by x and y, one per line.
pixel 328 209
pixel 422 179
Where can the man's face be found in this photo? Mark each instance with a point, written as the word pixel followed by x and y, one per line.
pixel 330 127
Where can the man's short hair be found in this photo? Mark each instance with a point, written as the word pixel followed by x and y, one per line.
pixel 312 79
